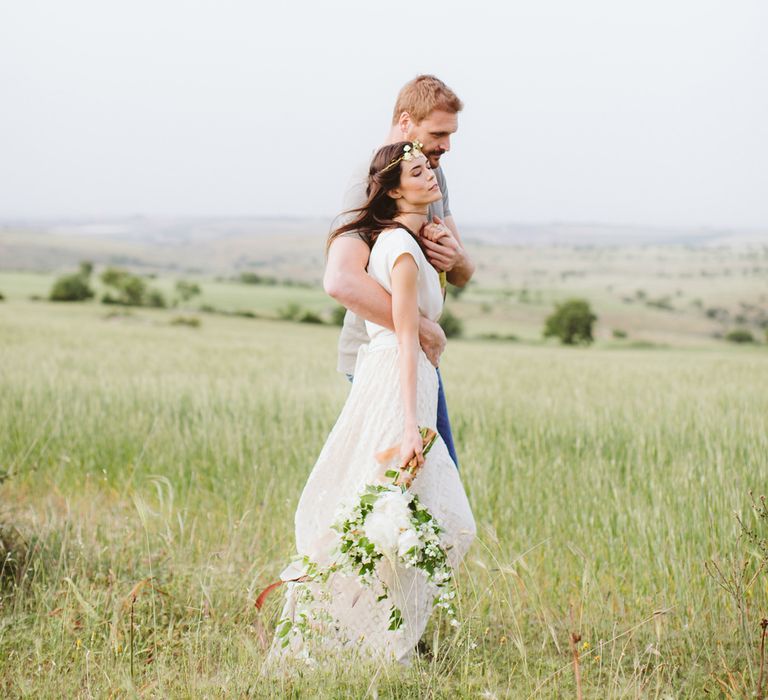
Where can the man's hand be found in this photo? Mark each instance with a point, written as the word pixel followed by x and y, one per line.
pixel 441 247
pixel 431 339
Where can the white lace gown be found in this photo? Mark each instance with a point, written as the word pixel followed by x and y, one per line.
pixel 372 421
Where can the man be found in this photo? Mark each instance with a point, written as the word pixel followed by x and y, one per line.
pixel 427 111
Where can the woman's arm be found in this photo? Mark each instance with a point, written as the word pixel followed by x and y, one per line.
pixel 405 314
pixel 346 280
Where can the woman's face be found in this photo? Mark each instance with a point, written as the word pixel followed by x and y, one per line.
pixel 418 185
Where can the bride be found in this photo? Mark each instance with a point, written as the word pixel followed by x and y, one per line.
pixel 394 393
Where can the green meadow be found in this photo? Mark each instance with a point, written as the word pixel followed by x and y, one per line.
pixel 150 473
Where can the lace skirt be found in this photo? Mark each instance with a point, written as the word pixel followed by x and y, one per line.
pixel 347 615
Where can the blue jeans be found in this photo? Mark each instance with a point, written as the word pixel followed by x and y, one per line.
pixel 443 422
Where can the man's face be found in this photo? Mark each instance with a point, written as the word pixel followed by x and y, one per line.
pixel 434 131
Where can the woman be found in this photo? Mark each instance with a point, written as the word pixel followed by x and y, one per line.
pixel 393 394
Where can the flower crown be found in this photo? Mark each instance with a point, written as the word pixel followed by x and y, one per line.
pixel 409 151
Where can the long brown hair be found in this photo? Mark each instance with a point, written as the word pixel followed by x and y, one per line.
pixel 379 211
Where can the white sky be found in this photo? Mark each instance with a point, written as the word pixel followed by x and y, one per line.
pixel 651 112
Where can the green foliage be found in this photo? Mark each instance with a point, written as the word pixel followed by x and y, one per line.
pixel 253 278
pixel 663 303
pixel 455 292
pixel 310 317
pixel 2 297
pixel 185 290
pixel 129 289
pixel 571 322
pixel 155 299
pixel 619 334
pixel 14 556
pixel 716 313
pixel 74 287
pixel 740 335
pixel 294 312
pixel 757 533
pixel 510 337
pixel 452 325
pixel 191 321
pixel 337 315
pixel 290 312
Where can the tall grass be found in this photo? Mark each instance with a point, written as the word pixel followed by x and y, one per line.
pixel 153 472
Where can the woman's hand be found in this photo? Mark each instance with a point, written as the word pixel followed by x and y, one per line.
pixel 434 230
pixel 411 448
pixel 440 246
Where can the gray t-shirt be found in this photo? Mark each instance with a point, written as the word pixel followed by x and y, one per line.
pixel 353 332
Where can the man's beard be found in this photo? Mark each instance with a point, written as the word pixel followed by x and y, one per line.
pixel 434 156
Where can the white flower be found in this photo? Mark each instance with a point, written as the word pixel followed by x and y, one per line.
pixel 390 516
pixel 408 539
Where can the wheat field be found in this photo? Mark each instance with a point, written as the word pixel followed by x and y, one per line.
pixel 151 471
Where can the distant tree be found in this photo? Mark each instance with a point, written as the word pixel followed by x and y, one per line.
pixel 310 317
pixel 253 278
pixel 74 287
pixel 619 334
pixel 113 276
pixel 717 313
pixel 128 289
pixel 455 292
pixel 2 297
pixel 337 316
pixel 291 312
pixel 664 303
pixel 572 322
pixel 185 290
pixel 740 335
pixel 452 325
pixel 155 298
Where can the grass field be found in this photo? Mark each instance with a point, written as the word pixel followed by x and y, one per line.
pixel 668 296
pixel 153 471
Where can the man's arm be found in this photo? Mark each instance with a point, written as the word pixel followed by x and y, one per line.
pixel 463 268
pixel 347 281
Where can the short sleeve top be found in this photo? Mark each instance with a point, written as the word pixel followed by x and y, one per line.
pixel 354 332
pixel 389 246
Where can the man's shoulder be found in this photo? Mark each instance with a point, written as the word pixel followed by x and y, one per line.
pixel 356 235
pixel 357 184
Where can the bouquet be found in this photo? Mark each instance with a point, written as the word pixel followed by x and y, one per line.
pixel 384 522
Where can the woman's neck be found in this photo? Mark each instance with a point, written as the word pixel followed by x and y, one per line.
pixel 413 219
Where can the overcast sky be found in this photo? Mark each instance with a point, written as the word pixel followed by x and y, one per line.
pixel 652 112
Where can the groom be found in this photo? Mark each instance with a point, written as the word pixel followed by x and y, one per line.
pixel 427 111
